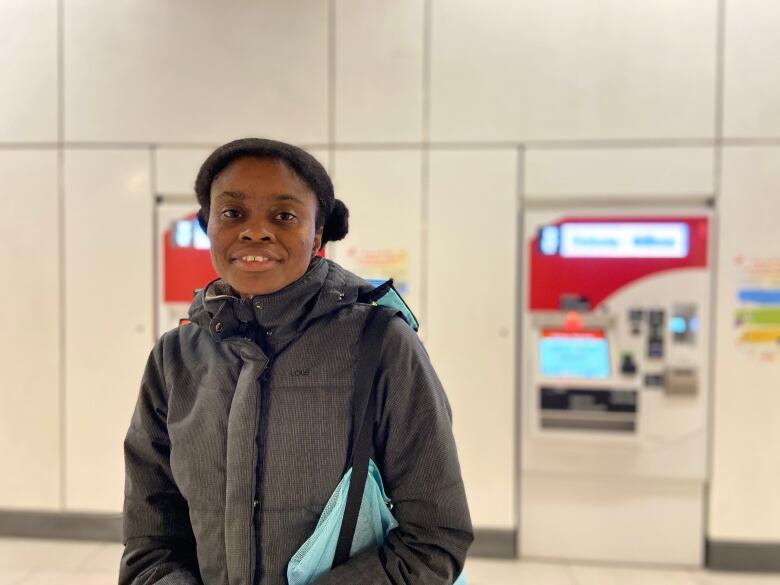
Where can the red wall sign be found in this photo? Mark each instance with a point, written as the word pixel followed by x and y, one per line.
pixel 184 269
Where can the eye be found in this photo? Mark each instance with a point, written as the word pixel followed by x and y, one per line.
pixel 285 216
pixel 231 213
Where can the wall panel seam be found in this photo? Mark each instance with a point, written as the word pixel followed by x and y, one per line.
pixel 425 161
pixel 61 224
pixel 156 244
pixel 332 80
pixel 374 146
pixel 715 232
pixel 518 337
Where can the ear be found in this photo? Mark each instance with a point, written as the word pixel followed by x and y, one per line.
pixel 317 241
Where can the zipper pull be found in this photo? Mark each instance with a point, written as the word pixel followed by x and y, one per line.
pixel 265 375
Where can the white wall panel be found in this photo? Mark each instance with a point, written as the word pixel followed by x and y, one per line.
pixel 379 61
pixel 323 155
pixel 28 69
pixel 109 295
pixel 30 344
pixel 199 72
pixel 752 71
pixel 746 469
pixel 473 246
pixel 636 173
pixel 572 69
pixel 381 189
pixel 176 168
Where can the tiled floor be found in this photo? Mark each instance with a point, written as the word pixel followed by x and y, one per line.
pixel 48 562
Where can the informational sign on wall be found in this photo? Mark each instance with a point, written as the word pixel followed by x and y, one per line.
pixel 381 264
pixel 757 318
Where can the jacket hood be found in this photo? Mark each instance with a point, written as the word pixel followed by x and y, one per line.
pixel 326 287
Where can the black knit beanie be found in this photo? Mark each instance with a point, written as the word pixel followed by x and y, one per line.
pixel 332 216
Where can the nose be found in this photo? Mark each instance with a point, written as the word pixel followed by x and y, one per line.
pixel 256 231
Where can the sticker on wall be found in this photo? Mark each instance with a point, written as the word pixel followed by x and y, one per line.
pixel 757 318
pixel 381 264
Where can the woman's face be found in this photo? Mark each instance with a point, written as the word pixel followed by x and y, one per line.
pixel 261 226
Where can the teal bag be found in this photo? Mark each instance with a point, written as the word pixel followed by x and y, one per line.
pixel 316 555
pixel 375 521
pixel 357 516
pixel 385 295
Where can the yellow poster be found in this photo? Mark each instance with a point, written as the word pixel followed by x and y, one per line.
pixel 377 264
pixel 757 319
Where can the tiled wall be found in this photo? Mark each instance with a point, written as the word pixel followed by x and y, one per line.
pixel 438 119
pixel 746 473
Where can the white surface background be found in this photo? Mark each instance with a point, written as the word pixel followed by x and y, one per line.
pixel 443 112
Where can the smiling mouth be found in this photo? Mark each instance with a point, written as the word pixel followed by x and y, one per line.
pixel 254 263
pixel 254 259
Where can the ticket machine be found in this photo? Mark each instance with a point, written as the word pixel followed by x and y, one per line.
pixel 183 261
pixel 615 386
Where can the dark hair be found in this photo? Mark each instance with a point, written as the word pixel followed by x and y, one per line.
pixel 332 214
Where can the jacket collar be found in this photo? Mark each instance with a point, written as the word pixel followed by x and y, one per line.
pixel 280 316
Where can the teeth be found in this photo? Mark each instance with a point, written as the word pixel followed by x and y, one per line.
pixel 254 258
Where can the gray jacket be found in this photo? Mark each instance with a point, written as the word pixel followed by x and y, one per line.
pixel 241 433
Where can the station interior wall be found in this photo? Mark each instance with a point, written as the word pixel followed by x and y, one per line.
pixel 440 123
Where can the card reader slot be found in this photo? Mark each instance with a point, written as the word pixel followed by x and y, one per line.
pixel 588 399
pixel 585 424
pixel 588 409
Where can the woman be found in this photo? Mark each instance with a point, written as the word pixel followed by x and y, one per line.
pixel 243 422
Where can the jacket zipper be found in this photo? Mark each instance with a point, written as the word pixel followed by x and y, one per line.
pixel 259 467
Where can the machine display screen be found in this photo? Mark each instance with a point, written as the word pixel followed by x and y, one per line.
pixel 574 354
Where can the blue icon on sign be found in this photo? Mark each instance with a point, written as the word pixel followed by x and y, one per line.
pixel 549 240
